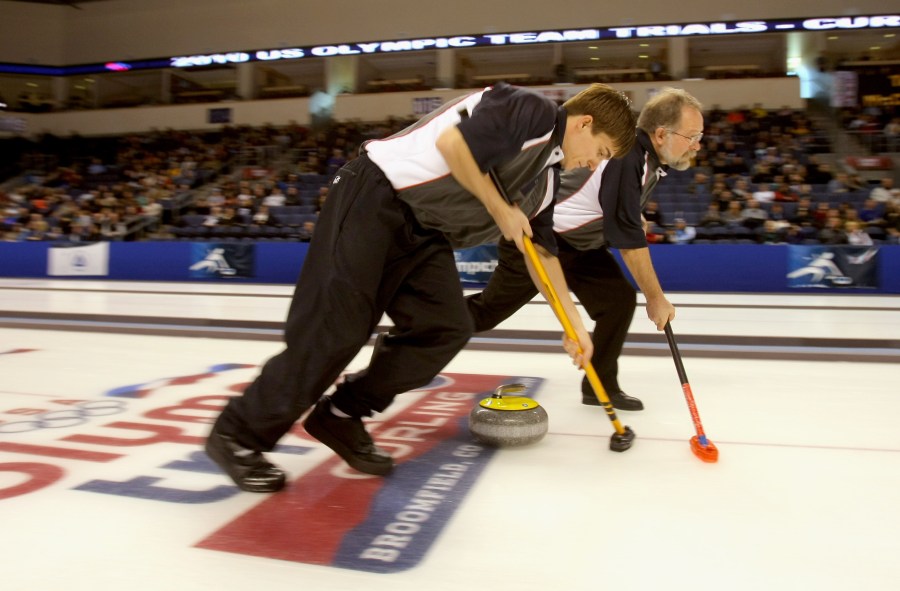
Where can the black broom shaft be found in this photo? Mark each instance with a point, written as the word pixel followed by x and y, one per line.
pixel 676 356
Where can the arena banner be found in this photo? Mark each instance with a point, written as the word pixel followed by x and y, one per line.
pixel 659 30
pixel 90 260
pixel 211 260
pixel 743 268
pixel 426 104
pixel 476 264
pixel 833 267
pixel 844 89
pixel 12 124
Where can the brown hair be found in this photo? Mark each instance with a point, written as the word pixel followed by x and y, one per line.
pixel 612 113
pixel 664 109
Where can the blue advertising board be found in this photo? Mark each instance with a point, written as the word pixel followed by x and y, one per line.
pixel 697 267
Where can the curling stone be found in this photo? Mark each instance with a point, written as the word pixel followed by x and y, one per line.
pixel 508 421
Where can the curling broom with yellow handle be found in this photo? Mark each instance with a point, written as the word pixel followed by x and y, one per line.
pixel 702 447
pixel 622 439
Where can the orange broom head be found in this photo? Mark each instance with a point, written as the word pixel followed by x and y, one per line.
pixel 707 453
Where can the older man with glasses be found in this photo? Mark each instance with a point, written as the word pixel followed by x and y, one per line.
pixel 595 211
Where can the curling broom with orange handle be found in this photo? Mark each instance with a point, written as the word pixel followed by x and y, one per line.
pixel 622 439
pixel 702 447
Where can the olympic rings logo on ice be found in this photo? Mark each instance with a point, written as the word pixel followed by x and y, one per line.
pixel 69 417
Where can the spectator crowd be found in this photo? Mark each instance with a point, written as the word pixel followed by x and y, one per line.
pixel 760 177
pixel 764 177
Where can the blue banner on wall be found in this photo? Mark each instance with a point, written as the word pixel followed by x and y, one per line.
pixel 831 267
pixel 736 268
pixel 476 264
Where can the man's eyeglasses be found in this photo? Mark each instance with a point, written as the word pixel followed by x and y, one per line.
pixel 694 139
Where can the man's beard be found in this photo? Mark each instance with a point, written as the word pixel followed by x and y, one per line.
pixel 682 163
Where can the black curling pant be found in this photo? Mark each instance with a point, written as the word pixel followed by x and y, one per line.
pixel 593 276
pixel 368 257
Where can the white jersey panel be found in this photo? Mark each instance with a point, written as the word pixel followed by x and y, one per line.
pixel 583 206
pixel 411 159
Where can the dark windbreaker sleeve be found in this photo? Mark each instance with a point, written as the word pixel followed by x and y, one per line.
pixel 620 198
pixel 542 230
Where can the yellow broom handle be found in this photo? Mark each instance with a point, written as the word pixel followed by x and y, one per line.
pixel 557 306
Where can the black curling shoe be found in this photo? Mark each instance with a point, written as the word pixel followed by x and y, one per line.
pixel 248 468
pixel 348 438
pixel 620 400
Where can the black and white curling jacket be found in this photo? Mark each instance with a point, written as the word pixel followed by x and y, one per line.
pixel 603 207
pixel 514 131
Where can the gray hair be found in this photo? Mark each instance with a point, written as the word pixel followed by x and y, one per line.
pixel 664 109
